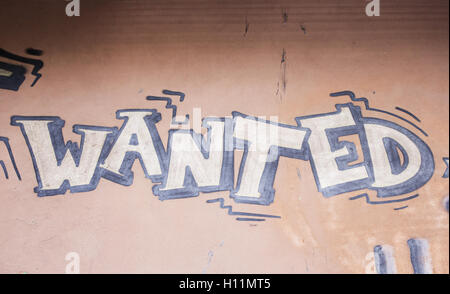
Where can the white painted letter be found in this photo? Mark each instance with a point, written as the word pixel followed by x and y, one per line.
pixel 261 136
pixel 134 136
pixel 73 8
pixel 380 160
pixel 73 267
pixel 373 8
pixel 328 172
pixel 185 152
pixel 52 173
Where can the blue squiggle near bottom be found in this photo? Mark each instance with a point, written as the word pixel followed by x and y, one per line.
pixel 246 219
pixel 399 208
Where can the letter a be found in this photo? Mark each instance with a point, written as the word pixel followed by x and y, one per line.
pixel 373 8
pixel 73 8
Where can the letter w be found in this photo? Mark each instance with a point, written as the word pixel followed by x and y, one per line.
pixel 56 169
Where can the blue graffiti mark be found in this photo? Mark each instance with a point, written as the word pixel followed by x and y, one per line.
pixel 419 253
pixel 190 186
pixel 210 256
pixel 231 212
pixel 5 171
pixel 169 104
pixel 384 259
pixel 419 256
pixel 445 175
pixel 15 80
pixel 5 141
pixel 13 76
pixel 248 219
pixel 382 202
pixel 407 112
pixel 33 51
pixel 175 93
pixel 366 103
pixel 402 207
pixel 446 203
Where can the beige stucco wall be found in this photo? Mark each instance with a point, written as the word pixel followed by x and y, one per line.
pixel 118 52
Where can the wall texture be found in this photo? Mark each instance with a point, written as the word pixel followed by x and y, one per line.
pixel 233 61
